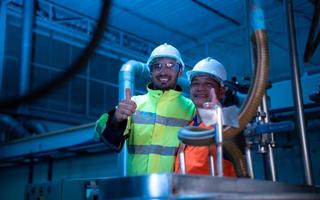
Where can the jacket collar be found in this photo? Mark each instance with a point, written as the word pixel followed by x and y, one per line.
pixel 172 93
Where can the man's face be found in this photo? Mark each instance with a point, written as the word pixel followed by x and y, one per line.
pixel 165 73
pixel 200 90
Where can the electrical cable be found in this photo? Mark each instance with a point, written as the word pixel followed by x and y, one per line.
pixel 75 67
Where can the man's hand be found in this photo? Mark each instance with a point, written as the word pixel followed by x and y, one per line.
pixel 213 97
pixel 125 109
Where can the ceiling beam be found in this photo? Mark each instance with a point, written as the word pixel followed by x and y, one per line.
pixel 233 21
pixel 210 37
pixel 155 22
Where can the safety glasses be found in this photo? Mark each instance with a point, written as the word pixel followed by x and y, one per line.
pixel 165 66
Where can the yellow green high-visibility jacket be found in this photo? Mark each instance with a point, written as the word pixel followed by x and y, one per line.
pixel 152 131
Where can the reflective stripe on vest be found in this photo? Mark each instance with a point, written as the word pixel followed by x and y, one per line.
pixel 154 149
pixel 141 117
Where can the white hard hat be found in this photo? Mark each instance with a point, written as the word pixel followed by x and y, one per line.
pixel 166 51
pixel 208 66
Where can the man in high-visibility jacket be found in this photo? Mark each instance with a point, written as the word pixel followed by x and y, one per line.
pixel 206 80
pixel 150 122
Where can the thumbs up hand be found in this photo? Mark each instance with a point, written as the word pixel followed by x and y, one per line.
pixel 214 100
pixel 124 109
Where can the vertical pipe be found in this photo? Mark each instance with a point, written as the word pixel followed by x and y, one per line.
pixel 270 156
pixel 249 160
pixel 251 63
pixel 126 80
pixel 250 47
pixel 182 159
pixel 3 19
pixel 265 109
pixel 88 68
pixel 26 45
pixel 211 161
pixel 267 142
pixel 271 163
pixel 219 141
pixel 296 87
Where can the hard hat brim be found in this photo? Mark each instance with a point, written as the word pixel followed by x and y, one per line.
pixel 191 74
pixel 151 59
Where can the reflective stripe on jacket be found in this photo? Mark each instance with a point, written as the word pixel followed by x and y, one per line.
pixel 196 158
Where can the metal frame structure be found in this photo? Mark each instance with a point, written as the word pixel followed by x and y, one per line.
pixel 71 28
pixel 297 91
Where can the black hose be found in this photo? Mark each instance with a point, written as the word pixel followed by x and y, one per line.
pixel 75 67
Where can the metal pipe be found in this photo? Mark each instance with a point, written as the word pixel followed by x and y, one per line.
pixel 270 145
pixel 3 19
pixel 182 159
pixel 211 161
pixel 12 129
pixel 271 163
pixel 267 142
pixel 296 87
pixel 127 75
pixel 249 160
pixel 219 140
pixel 251 62
pixel 265 109
pixel 26 45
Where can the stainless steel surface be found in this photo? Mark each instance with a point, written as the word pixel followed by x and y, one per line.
pixel 249 161
pixel 296 87
pixel 219 141
pixel 171 186
pixel 265 108
pixel 127 76
pixel 266 119
pixel 196 136
pixel 182 160
pixel 211 161
pixel 168 186
pixel 271 163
